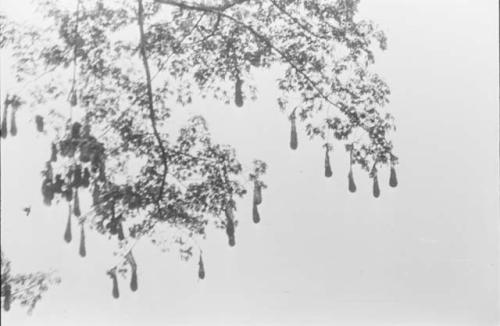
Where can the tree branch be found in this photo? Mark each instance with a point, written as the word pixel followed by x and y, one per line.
pixel 201 7
pixel 152 115
pixel 263 38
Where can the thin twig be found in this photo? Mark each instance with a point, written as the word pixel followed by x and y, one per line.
pixel 296 21
pixel 207 8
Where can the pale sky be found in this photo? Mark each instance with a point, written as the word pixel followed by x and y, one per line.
pixel 425 253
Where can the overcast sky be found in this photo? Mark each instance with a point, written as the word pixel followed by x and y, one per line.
pixel 425 253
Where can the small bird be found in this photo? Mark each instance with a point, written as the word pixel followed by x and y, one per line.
pixel 27 210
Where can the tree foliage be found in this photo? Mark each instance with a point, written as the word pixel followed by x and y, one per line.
pixel 25 289
pixel 118 69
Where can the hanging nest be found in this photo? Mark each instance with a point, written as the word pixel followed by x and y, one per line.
pixel 352 185
pixel 67 232
pixel 47 191
pixel 201 268
pixel 48 170
pixel 77 176
pixel 133 267
pixel 376 188
pixel 255 214
pixel 14 102
pixel 230 225
pixel 58 184
pixel 257 200
pixel 75 130
pixel 4 127
pixel 115 227
pixel 39 123
pixel 13 123
pixel 53 153
pixel 85 178
pixel 76 204
pixel 133 280
pixel 68 193
pixel 85 152
pixel 82 250
pixel 73 98
pixel 7 296
pixel 112 226
pixel 238 93
pixel 257 193
pixel 121 234
pixel 393 179
pixel 293 132
pixel 328 167
pixel 115 292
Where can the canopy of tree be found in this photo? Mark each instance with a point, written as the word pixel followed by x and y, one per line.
pixel 119 68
